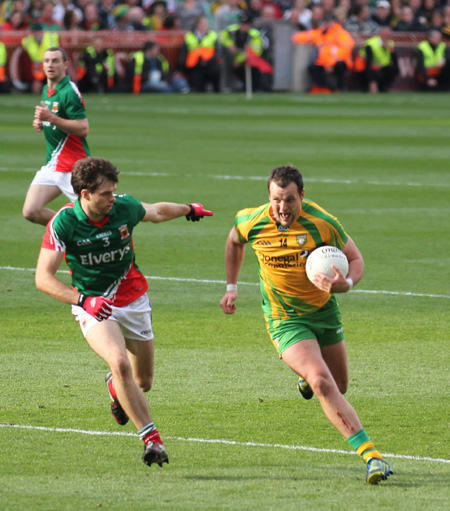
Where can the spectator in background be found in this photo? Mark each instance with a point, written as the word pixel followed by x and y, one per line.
pixel 328 6
pixel 91 20
pixel 236 40
pixel 34 10
pixel 149 71
pixel 407 21
pixel 361 21
pixel 437 20
pixel 273 8
pixel 254 9
pixel 47 20
pixel 62 7
pixel 16 22
pixel 299 15
pixel 96 68
pixel 105 14
pixel 226 15
pixel 317 16
pixel 71 20
pixel 425 12
pixel 187 11
pixel 383 13
pixel 135 19
pixel 199 57
pixel 333 57
pixel 376 63
pixel 120 13
pixel 433 65
pixel 157 13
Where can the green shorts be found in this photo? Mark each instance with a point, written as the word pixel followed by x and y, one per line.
pixel 324 325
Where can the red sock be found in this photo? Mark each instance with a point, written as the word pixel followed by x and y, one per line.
pixel 154 437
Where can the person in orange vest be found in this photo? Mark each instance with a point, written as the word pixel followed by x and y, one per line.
pixel 333 55
pixel 200 56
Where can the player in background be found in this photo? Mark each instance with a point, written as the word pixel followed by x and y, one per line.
pixel 303 319
pixel 109 294
pixel 62 118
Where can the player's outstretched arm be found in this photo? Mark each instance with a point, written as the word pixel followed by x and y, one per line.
pixel 163 211
pixel 234 256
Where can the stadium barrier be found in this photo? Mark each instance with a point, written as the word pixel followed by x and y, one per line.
pixel 289 61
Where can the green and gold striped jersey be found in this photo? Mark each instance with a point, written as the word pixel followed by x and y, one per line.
pixel 281 254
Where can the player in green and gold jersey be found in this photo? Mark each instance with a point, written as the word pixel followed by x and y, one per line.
pixel 109 293
pixel 302 318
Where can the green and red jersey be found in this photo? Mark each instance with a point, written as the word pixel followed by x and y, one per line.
pixel 100 256
pixel 63 150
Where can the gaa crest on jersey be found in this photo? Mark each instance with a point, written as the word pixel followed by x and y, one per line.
pixel 301 239
pixel 124 232
pixel 55 107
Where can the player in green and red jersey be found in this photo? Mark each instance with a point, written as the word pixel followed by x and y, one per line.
pixel 302 318
pixel 62 117
pixel 109 294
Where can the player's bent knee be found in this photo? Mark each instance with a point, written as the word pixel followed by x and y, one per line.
pixel 121 368
pixel 31 215
pixel 321 384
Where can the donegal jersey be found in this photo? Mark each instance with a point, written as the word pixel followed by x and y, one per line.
pixel 100 256
pixel 281 255
pixel 63 150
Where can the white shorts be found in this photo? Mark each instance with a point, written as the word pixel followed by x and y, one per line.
pixel 135 319
pixel 63 180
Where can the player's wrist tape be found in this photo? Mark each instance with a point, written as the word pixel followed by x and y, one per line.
pixel 81 300
pixel 231 287
pixel 350 282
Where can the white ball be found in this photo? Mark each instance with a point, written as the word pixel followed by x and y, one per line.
pixel 321 259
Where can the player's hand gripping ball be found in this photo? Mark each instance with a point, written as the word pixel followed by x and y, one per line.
pixel 321 260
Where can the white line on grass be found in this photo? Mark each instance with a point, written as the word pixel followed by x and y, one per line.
pixel 219 441
pixel 222 282
pixel 263 178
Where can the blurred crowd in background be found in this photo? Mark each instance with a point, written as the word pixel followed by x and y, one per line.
pixel 365 16
pixel 220 39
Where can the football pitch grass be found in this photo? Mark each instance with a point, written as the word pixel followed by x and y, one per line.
pixel 238 434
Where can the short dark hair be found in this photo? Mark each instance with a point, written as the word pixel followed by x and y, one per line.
pixel 57 48
pixel 90 173
pixel 285 175
pixel 149 45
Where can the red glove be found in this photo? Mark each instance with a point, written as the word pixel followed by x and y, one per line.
pixel 96 306
pixel 197 212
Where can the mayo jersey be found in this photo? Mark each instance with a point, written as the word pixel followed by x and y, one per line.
pixel 281 254
pixel 63 150
pixel 100 256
